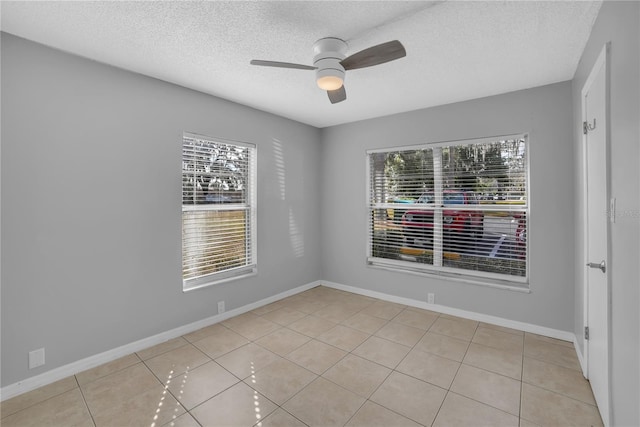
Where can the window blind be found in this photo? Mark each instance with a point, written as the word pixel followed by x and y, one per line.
pixel 453 209
pixel 218 210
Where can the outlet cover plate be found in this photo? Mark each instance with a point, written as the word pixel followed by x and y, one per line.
pixel 36 358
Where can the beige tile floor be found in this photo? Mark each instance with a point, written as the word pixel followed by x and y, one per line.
pixel 326 358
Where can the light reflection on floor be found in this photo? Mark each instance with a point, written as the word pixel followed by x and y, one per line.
pixel 164 394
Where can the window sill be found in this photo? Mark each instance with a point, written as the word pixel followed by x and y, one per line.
pixel 215 279
pixel 491 282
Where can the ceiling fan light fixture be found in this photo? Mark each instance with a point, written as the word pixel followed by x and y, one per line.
pixel 330 78
pixel 329 82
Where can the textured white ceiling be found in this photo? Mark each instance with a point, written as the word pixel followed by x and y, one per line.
pixel 456 50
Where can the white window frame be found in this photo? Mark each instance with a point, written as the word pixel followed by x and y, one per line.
pixel 501 281
pixel 249 205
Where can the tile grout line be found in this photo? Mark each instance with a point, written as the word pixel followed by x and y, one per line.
pixel 394 369
pixel 166 387
pixel 454 377
pixel 366 399
pixel 402 373
pixel 491 372
pixel 391 370
pixel 3 416
pixel 552 363
pixel 281 406
pixel 559 394
pixel 419 379
pixel 84 399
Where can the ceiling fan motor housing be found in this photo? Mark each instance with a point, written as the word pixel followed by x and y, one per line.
pixel 328 52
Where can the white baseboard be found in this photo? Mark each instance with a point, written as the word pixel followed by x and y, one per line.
pixel 73 368
pixel 494 320
pixel 107 356
pixel 581 358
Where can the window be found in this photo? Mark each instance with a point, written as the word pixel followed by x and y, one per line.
pixel 218 210
pixel 455 209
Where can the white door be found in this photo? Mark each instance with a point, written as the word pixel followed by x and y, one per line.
pixel 594 115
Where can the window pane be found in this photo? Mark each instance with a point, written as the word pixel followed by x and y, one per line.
pixel 494 171
pixel 489 241
pixel 213 241
pixel 213 172
pixel 400 179
pixel 401 176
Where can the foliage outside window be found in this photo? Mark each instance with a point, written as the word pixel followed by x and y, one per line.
pixel 456 209
pixel 218 210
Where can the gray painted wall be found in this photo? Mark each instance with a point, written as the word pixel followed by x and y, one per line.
pixel 91 182
pixel 618 23
pixel 546 113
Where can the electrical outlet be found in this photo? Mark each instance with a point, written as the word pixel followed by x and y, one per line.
pixel 220 307
pixel 36 358
pixel 431 298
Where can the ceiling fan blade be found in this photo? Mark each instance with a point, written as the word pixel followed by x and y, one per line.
pixel 281 64
pixel 375 55
pixel 337 95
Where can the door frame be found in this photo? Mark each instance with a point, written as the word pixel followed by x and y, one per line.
pixel 601 62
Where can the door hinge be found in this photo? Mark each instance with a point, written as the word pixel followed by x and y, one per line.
pixel 586 333
pixel 586 126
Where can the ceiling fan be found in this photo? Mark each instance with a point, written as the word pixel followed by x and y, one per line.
pixel 331 63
